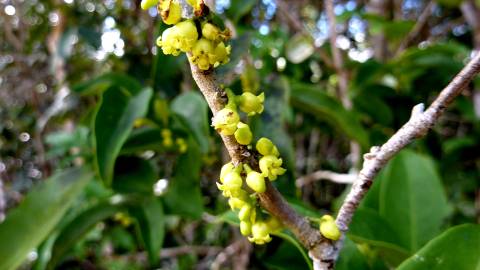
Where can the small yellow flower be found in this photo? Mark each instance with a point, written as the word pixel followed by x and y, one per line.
pixel 256 181
pixel 245 228
pixel 271 167
pixel 179 38
pixel 260 233
pixel 227 168
pixel 226 121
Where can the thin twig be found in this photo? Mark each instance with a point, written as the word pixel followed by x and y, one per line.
pixel 341 178
pixel 419 124
pixel 419 25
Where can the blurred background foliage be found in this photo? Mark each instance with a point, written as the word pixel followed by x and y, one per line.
pixel 122 134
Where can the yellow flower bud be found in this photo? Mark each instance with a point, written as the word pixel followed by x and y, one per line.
pixel 245 228
pixel 244 213
pixel 146 4
pixel 251 104
pixel 182 145
pixel 225 121
pixel 243 134
pixel 329 229
pixel 210 32
pixel 260 233
pixel 236 203
pixel 271 167
pixel 232 181
pixel 256 181
pixel 170 11
pixel 221 54
pixel 265 147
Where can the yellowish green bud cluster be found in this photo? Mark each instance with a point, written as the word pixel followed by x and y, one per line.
pixel 167 141
pixel 270 164
pixel 251 104
pixel 328 228
pixel 232 185
pixel 202 40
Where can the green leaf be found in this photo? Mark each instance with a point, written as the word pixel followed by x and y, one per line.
pixel 30 223
pixel 78 227
pixel 151 224
pixel 114 120
pixel 102 83
pixel 457 248
pixel 351 258
pixel 412 199
pixel 193 110
pixel 238 9
pixel 186 182
pixel 312 100
pixel 134 175
pixel 143 139
pixel 369 227
pixel 287 235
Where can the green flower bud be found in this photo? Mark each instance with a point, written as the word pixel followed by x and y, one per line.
pixel 243 134
pixel 245 228
pixel 146 4
pixel 244 213
pixel 260 233
pixel 227 168
pixel 251 104
pixel 170 11
pixel 265 147
pixel 256 181
pixel 329 229
pixel 226 121
pixel 271 167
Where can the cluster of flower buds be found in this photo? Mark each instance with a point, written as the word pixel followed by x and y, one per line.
pixel 227 121
pixel 232 186
pixel 199 37
pixel 167 141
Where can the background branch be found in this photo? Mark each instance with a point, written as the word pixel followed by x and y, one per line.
pixel 418 125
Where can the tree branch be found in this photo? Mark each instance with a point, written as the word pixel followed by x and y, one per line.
pixel 271 199
pixel 341 178
pixel 418 125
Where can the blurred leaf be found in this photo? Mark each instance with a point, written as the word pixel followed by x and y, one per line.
pixel 287 235
pixel 151 221
pixel 457 248
pixel 92 37
pixel 350 257
pixel 299 48
pixel 103 82
pixel 66 42
pixel 186 181
pixel 303 209
pixel 193 110
pixel 240 46
pixel 30 223
pixel 78 227
pixel 312 100
pixel 114 120
pixel 143 139
pixel 411 183
pixel 375 107
pixel 238 9
pixel 134 175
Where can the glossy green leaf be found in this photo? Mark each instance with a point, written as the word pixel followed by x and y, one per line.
pixel 151 224
pixel 412 199
pixel 351 258
pixel 185 183
pixel 134 175
pixel 78 227
pixel 103 82
pixel 114 120
pixel 193 110
pixel 30 223
pixel 310 99
pixel 457 248
pixel 143 139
